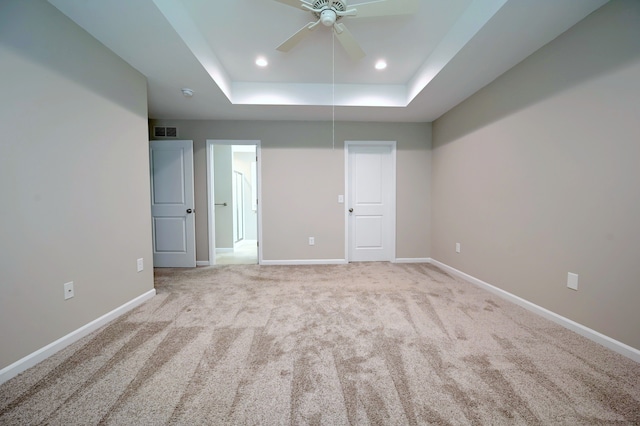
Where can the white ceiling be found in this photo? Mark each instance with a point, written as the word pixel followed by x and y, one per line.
pixel 436 57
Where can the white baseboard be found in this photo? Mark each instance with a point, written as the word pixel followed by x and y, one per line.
pixel 413 260
pixel 582 330
pixel 202 263
pixel 305 262
pixel 41 354
pixel 224 250
pixel 338 261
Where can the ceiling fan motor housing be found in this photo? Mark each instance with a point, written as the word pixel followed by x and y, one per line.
pixel 327 11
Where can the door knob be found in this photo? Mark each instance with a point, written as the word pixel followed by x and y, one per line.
pixel 189 211
pixel 351 210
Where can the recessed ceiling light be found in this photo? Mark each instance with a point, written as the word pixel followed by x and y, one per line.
pixel 381 64
pixel 261 62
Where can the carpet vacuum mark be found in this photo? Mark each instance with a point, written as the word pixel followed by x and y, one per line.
pixel 364 343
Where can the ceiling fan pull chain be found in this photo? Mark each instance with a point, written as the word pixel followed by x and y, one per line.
pixel 333 89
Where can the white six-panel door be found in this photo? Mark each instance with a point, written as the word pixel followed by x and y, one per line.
pixel 371 201
pixel 172 203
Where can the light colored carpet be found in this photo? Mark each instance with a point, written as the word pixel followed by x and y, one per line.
pixel 368 343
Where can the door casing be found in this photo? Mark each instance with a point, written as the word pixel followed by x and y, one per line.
pixel 210 193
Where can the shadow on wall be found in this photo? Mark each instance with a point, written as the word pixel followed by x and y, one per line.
pixel 549 72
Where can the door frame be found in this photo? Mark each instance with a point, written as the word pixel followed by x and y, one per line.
pixel 211 219
pixel 347 190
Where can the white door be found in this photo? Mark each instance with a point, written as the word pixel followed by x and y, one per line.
pixel 172 203
pixel 371 201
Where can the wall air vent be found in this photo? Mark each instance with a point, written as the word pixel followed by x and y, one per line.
pixel 165 132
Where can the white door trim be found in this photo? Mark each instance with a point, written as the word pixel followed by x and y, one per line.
pixel 211 219
pixel 392 214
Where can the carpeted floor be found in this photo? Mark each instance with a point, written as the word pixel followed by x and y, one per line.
pixel 368 343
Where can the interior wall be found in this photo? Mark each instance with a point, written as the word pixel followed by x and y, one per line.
pixel 223 192
pixel 242 163
pixel 75 194
pixel 537 175
pixel 302 176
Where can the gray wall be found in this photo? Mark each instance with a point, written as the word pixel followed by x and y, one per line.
pixel 74 179
pixel 302 176
pixel 538 174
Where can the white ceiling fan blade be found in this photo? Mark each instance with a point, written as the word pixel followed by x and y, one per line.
pixel 292 41
pixel 385 8
pixel 295 3
pixel 348 41
pixel 348 12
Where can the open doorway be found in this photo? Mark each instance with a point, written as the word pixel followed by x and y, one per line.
pixel 233 187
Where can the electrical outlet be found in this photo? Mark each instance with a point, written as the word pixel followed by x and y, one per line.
pixel 457 247
pixel 312 241
pixel 140 264
pixel 68 290
pixel 572 281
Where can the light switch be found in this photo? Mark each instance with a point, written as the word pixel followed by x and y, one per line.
pixel 341 199
pixel 572 281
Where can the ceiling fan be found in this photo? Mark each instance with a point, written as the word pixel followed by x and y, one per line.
pixel 330 12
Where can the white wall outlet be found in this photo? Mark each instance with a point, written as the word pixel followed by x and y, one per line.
pixel 572 281
pixel 312 241
pixel 341 199
pixel 68 290
pixel 457 247
pixel 140 264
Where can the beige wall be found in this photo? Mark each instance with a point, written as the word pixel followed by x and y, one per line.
pixel 242 162
pixel 74 180
pixel 223 168
pixel 302 176
pixel 538 174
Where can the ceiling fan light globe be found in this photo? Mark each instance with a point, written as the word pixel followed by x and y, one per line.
pixel 328 17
